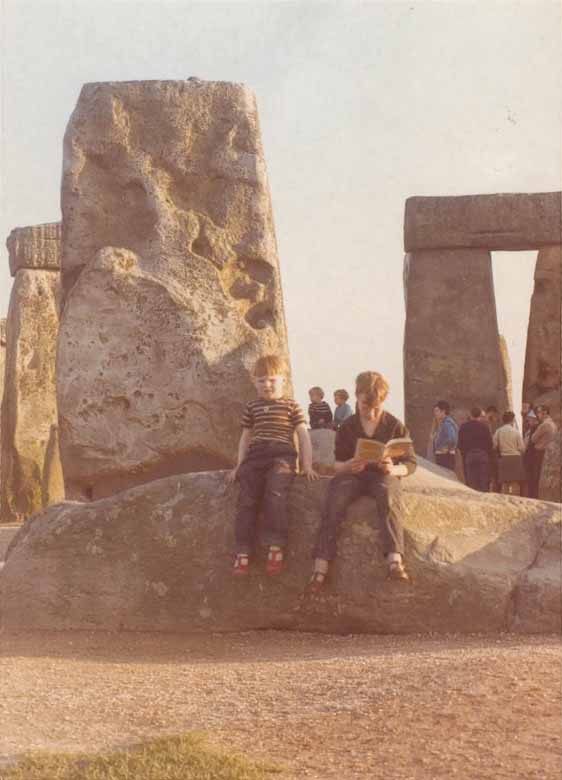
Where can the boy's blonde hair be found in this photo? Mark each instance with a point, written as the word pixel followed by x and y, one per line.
pixel 318 390
pixel 270 365
pixel 373 384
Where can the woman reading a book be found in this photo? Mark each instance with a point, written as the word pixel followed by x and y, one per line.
pixel 373 451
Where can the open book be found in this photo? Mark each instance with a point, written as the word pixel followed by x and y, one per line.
pixel 375 451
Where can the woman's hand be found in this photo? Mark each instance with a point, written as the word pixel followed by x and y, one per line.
pixel 353 466
pixel 386 466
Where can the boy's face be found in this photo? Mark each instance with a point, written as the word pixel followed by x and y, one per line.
pixel 438 413
pixel 315 396
pixel 270 386
pixel 339 400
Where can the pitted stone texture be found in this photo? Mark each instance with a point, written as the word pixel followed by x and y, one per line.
pixel 505 222
pixel 36 246
pixel 31 477
pixel 542 359
pixel 159 557
pixel 2 371
pixel 171 280
pixel 549 485
pixel 451 342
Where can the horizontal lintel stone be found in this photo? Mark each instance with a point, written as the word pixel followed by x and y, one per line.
pixel 496 222
pixel 36 246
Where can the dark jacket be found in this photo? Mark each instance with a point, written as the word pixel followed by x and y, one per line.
pixel 475 435
pixel 389 427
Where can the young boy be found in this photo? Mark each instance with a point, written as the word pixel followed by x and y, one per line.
pixel 343 410
pixel 319 412
pixel 266 466
pixel 356 477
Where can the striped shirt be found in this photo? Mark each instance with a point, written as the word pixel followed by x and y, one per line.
pixel 319 413
pixel 273 420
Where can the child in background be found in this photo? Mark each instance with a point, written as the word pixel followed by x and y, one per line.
pixel 267 462
pixel 319 412
pixel 343 410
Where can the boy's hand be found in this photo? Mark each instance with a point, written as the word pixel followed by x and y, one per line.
pixel 310 474
pixel 231 476
pixel 385 465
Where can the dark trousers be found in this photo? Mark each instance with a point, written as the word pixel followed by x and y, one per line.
pixel 265 477
pixel 446 460
pixel 534 464
pixel 477 470
pixel 344 490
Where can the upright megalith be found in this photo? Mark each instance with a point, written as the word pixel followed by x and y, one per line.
pixel 2 371
pixel 30 471
pixel 452 347
pixel 170 280
pixel 542 359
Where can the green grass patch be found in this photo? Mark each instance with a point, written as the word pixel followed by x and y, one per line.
pixel 169 758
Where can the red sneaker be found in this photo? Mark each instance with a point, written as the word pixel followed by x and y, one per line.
pixel 275 561
pixel 241 565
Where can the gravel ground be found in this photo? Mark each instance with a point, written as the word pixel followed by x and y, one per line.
pixel 398 708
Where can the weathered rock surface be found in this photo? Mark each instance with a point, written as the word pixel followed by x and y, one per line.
pixel 549 485
pixel 542 358
pixel 35 246
pixel 158 557
pixel 451 342
pixel 504 221
pixel 2 371
pixel 170 276
pixel 30 469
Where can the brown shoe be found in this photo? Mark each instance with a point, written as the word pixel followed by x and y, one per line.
pixel 396 571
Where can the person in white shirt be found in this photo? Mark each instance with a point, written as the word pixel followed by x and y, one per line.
pixel 510 447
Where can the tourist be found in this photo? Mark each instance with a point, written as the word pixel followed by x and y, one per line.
pixel 267 465
pixel 445 436
pixel 343 410
pixel 354 478
pixel 493 417
pixel 319 412
pixel 510 447
pixel 540 439
pixel 529 454
pixel 476 446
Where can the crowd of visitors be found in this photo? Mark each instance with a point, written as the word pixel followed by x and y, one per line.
pixel 496 456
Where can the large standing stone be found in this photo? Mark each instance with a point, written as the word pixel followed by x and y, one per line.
pixel 30 470
pixel 542 358
pixel 159 557
pixel 506 221
pixel 170 277
pixel 2 371
pixel 451 344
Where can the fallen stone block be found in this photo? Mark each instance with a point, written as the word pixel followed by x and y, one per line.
pixel 158 557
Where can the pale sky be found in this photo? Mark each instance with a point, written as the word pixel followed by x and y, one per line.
pixel 361 105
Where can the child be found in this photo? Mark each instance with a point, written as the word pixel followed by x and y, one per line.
pixel 343 410
pixel 355 478
pixel 319 412
pixel 267 462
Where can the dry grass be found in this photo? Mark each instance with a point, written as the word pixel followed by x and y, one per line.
pixel 169 758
